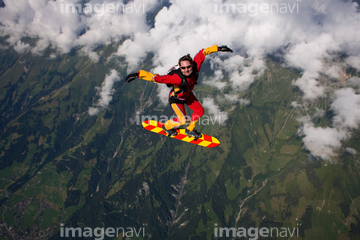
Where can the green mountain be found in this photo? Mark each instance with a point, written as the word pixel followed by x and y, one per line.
pixel 63 169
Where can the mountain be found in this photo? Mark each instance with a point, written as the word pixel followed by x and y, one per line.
pixel 63 169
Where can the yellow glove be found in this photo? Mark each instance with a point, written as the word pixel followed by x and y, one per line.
pixel 211 49
pixel 216 48
pixel 147 76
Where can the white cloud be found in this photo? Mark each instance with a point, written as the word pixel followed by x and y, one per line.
pixel 216 80
pixel 325 142
pixel 351 151
pixel 235 99
pixel 306 31
pixel 310 86
pixel 353 61
pixel 346 106
pixel 163 92
pixel 354 82
pixel 311 54
pixel 21 47
pixel 133 54
pixel 321 142
pixel 56 23
pixel 308 35
pixel 334 71
pixel 214 110
pixel 105 92
pixel 319 113
pixel 93 111
pixel 296 105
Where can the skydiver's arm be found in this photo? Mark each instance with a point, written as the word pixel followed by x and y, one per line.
pixel 200 56
pixel 147 76
pixel 210 50
pixel 144 75
pixel 216 48
pixel 166 79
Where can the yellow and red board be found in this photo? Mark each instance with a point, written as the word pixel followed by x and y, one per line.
pixel 204 141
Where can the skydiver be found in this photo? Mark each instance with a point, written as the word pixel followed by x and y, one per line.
pixel 182 80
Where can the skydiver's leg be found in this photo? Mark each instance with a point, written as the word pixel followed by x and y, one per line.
pixel 180 112
pixel 198 109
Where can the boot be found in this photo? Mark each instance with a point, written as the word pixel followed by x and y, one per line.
pixel 170 132
pixel 195 134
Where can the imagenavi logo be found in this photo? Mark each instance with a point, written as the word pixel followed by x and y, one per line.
pixel 254 233
pixel 99 233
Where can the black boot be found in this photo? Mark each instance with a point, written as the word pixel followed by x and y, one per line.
pixel 170 132
pixel 195 134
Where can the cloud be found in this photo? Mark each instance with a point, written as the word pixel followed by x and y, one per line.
pixel 310 86
pixel 321 142
pixel 214 110
pixel 105 92
pixel 216 80
pixel 21 47
pixel 310 36
pixel 324 142
pixel 307 32
pixel 241 71
pixel 354 82
pixel 38 19
pixel 353 61
pixel 351 151
pixel 346 107
pixel 66 24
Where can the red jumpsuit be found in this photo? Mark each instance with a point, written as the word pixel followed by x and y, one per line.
pixel 188 96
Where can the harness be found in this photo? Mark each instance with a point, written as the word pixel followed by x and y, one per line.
pixel 182 89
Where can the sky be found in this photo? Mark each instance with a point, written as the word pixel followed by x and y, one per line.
pixel 318 37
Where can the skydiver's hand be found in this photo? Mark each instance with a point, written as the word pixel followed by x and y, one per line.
pixel 224 48
pixel 131 77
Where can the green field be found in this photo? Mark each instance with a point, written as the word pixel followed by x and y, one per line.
pixel 61 166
